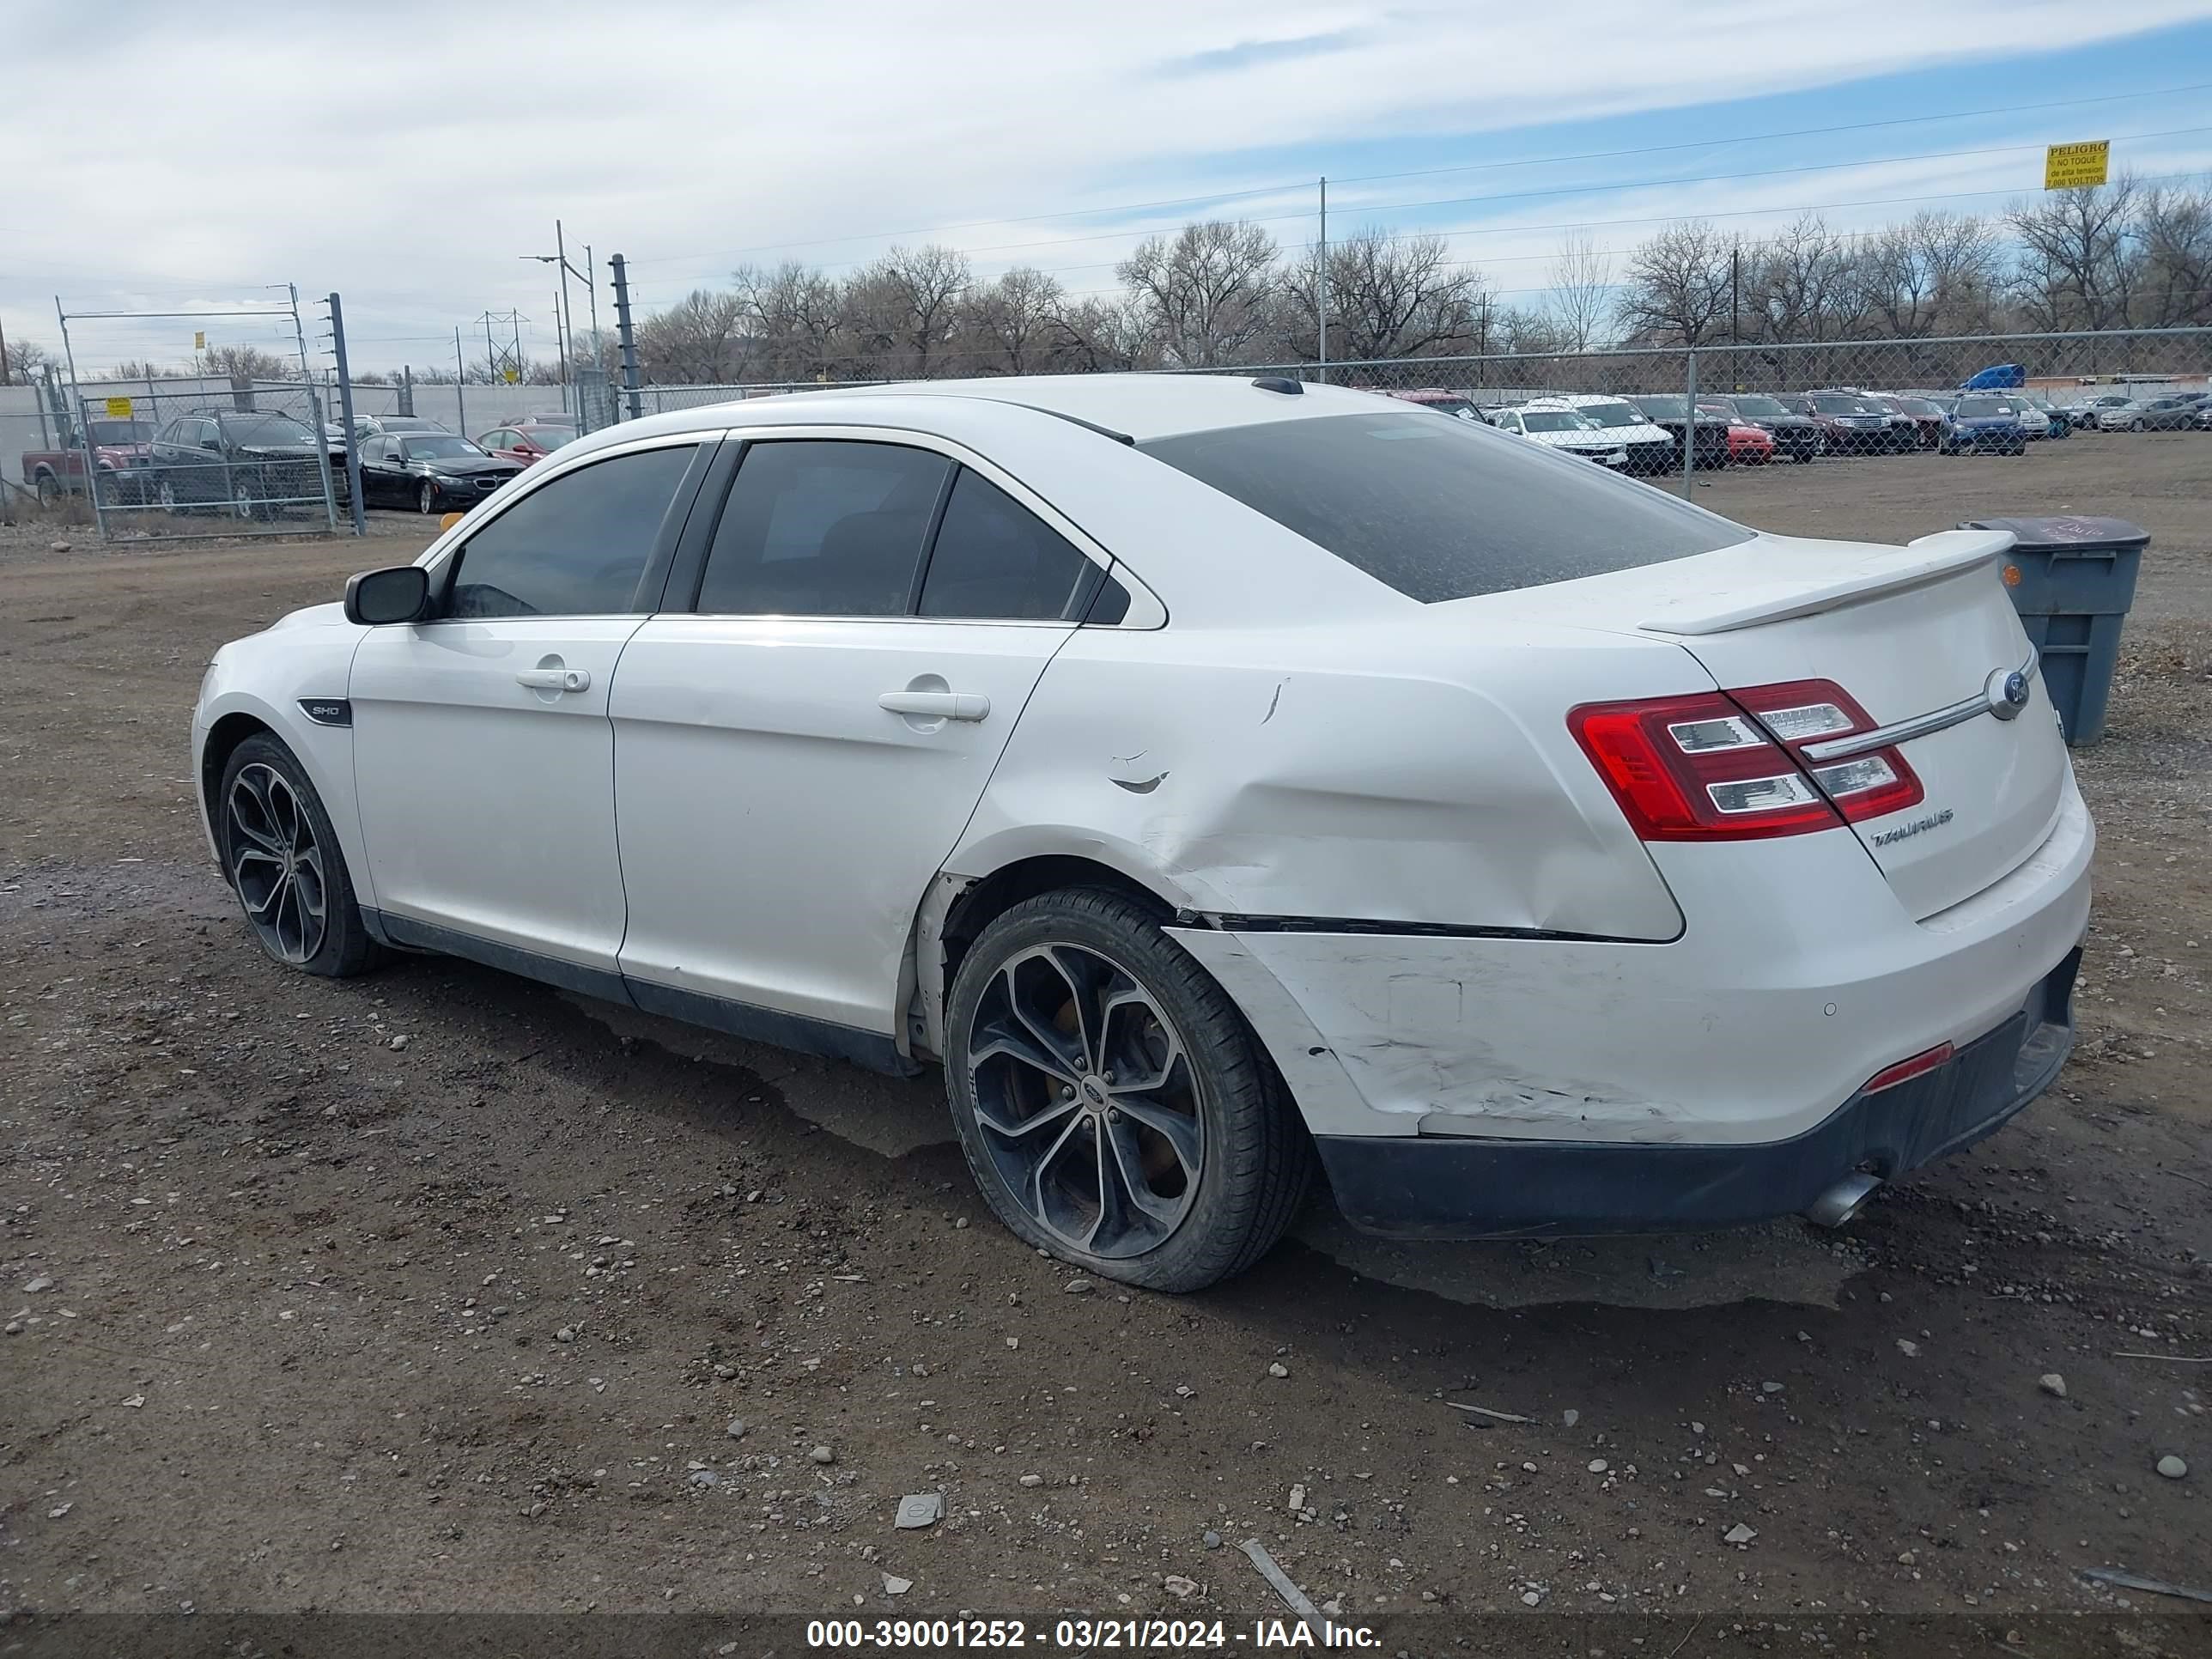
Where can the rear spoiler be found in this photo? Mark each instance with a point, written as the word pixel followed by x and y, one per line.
pixel 1883 570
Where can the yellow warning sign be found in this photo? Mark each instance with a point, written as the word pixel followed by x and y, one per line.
pixel 2076 167
pixel 118 408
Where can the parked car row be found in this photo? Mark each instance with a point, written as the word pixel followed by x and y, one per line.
pixel 256 464
pixel 1644 433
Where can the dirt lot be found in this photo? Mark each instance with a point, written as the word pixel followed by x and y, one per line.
pixel 440 1289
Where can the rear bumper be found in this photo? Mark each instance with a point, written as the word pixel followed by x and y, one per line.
pixel 1423 1188
pixel 1527 1058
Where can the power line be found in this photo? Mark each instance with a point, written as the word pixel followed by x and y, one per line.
pixel 1470 167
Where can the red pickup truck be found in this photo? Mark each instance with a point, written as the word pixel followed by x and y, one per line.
pixel 122 454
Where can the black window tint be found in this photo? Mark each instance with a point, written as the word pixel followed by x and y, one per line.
pixel 995 558
pixel 1110 605
pixel 576 547
pixel 822 529
pixel 1445 509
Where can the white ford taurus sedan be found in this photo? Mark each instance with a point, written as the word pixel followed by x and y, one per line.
pixel 1216 777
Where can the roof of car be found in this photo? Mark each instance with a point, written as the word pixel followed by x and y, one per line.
pixel 1133 407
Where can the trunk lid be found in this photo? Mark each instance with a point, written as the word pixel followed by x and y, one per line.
pixel 1911 633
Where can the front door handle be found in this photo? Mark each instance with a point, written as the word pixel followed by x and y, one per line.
pixel 554 679
pixel 938 705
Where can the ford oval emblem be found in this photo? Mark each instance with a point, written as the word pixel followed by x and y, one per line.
pixel 2006 690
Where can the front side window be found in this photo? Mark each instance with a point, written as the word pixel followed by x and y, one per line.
pixel 995 559
pixel 1440 510
pixel 576 547
pixel 823 528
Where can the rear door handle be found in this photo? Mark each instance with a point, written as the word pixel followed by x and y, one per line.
pixel 938 705
pixel 554 679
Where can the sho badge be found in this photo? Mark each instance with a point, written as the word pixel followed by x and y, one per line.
pixel 1907 831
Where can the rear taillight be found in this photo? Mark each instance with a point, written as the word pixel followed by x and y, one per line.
pixel 1801 711
pixel 1728 766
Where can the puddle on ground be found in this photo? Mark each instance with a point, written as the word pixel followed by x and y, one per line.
pixel 1780 1262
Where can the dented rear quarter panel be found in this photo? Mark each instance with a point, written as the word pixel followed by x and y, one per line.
pixel 1413 770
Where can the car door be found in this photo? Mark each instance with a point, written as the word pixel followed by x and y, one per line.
pixel 797 752
pixel 373 483
pixel 483 754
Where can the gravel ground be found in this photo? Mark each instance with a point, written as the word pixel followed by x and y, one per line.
pixel 441 1290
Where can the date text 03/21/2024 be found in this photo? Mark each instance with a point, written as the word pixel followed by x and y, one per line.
pixel 1084 1635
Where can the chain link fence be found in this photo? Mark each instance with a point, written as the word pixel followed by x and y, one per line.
pixel 177 458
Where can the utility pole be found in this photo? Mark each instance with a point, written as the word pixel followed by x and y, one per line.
pixel 345 414
pixel 563 318
pixel 460 375
pixel 622 330
pixel 1735 293
pixel 1321 283
pixel 592 289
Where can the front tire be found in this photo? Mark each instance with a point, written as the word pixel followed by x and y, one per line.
pixel 426 499
pixel 1113 1106
pixel 282 860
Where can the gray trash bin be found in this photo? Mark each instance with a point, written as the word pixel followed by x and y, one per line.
pixel 2072 581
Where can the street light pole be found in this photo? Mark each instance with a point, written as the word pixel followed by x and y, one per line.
pixel 564 323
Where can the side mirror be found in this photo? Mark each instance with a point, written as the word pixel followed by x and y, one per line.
pixel 398 594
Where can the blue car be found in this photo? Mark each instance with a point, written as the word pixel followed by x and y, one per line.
pixel 1990 425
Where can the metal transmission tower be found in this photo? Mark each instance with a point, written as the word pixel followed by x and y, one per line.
pixel 503 358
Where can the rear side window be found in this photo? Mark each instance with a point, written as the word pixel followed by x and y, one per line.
pixel 994 558
pixel 822 529
pixel 1443 509
pixel 576 547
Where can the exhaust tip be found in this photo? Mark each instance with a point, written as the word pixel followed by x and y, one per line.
pixel 1837 1205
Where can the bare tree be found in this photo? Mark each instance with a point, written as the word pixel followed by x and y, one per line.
pixel 2080 262
pixel 1582 290
pixel 1937 273
pixel 2173 230
pixel 1389 295
pixel 796 313
pixel 1676 292
pixel 1104 334
pixel 1209 291
pixel 696 340
pixel 136 369
pixel 27 359
pixel 906 304
pixel 245 364
pixel 1013 321
pixel 1801 283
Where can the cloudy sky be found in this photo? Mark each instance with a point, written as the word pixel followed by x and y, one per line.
pixel 412 156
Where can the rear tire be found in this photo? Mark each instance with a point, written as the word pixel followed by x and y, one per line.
pixel 1173 1182
pixel 49 489
pixel 283 861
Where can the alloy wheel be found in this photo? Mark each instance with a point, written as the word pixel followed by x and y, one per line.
pixel 277 863
pixel 426 500
pixel 241 502
pixel 1086 1100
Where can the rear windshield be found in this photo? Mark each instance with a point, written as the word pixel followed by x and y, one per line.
pixel 1976 408
pixel 1445 509
pixel 266 430
pixel 1609 415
